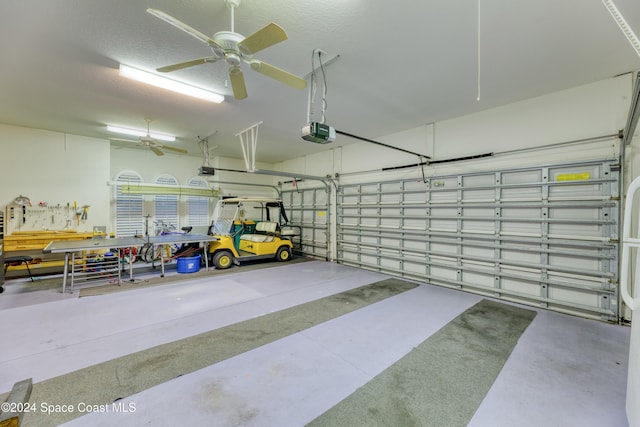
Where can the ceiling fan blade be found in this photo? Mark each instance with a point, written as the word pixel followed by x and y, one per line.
pixel 156 150
pixel 186 64
pixel 237 83
pixel 174 149
pixel 278 74
pixel 182 26
pixel 262 39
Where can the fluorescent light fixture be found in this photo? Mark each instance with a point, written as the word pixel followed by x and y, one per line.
pixel 138 132
pixel 628 32
pixel 172 85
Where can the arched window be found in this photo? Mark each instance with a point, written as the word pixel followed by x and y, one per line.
pixel 129 220
pixel 167 206
pixel 198 206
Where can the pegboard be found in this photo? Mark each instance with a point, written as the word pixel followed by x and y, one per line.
pixel 54 218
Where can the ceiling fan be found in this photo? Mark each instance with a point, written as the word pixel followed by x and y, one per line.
pixel 235 48
pixel 152 143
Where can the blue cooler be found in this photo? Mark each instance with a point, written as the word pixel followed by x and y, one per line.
pixel 189 264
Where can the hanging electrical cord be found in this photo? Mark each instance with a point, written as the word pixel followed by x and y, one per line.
pixel 324 88
pixel 313 87
pixel 203 144
pixel 422 163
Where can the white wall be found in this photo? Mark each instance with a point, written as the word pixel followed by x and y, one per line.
pixel 587 111
pixel 55 168
pixel 592 110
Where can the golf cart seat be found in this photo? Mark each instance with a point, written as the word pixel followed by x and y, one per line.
pixel 265 232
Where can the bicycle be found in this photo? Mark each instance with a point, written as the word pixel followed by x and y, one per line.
pixel 151 253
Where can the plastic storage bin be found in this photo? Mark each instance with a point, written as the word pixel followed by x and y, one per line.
pixel 189 264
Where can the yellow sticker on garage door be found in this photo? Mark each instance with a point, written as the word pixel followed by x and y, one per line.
pixel 573 176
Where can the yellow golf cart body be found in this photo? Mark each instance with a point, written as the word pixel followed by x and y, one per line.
pixel 249 228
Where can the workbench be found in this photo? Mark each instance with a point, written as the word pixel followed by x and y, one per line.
pixel 30 243
pixel 71 247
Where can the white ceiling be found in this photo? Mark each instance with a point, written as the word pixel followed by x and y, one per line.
pixel 402 63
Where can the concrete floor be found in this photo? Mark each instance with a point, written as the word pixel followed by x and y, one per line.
pixel 564 371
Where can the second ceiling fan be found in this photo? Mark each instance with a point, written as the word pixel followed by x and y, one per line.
pixel 234 48
pixel 152 143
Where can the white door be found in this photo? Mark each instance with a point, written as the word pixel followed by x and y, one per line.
pixel 630 291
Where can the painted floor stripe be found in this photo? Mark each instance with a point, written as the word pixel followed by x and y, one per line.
pixel 107 382
pixel 444 379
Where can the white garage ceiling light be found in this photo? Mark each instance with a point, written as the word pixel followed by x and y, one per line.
pixel 141 133
pixel 172 85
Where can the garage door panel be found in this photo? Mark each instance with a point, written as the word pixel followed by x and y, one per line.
pixel 440 273
pixel 390 222
pixel 516 288
pixel 469 226
pixel 520 193
pixel 575 296
pixel 413 268
pixel 576 230
pixel 522 227
pixel 438 224
pixel 413 246
pixel 477 252
pixel 519 177
pixel 578 263
pixel 478 195
pixel 442 196
pixel 413 224
pixel 443 248
pixel 478 279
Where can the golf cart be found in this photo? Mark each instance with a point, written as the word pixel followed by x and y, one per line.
pixel 249 228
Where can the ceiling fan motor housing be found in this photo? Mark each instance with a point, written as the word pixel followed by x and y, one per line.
pixel 227 46
pixel 232 58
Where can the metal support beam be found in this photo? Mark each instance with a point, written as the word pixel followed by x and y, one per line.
pixel 325 180
pixel 249 143
pixel 634 113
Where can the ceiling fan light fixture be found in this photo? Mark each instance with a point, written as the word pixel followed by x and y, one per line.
pixel 141 133
pixel 168 84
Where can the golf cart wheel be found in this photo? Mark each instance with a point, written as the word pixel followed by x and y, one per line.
pixel 222 260
pixel 284 254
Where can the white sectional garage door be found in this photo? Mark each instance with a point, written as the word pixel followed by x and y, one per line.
pixel 544 236
pixel 308 209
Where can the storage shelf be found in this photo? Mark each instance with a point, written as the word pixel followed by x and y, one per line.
pixel 95 268
pixel 35 266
